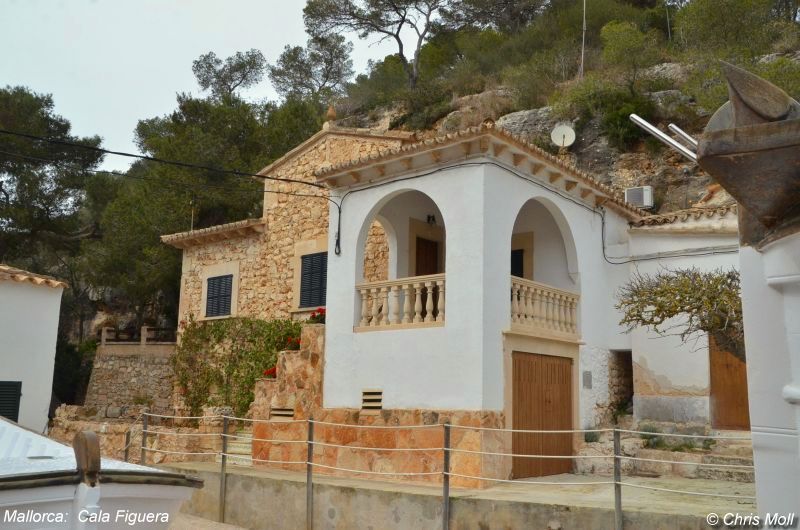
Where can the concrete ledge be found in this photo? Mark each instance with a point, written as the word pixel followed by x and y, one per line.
pixel 276 500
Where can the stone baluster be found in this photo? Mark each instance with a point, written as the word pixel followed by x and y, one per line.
pixel 550 318
pixel 536 312
pixel 429 302
pixel 514 302
pixel 408 296
pixel 376 307
pixel 573 318
pixel 527 308
pixel 364 307
pixel 440 302
pixel 418 302
pixel 557 321
pixel 395 304
pixel 385 306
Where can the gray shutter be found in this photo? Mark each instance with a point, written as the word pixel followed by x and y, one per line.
pixel 313 279
pixel 10 394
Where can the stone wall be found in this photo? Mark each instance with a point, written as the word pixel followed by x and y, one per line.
pixel 620 378
pixel 298 386
pixel 267 261
pixel 376 254
pixel 125 375
pixel 176 438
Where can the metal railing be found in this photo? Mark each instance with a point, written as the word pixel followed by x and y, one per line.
pixel 445 470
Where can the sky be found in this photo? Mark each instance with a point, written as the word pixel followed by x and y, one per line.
pixel 110 63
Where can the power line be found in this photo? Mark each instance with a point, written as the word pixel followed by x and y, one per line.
pixel 174 184
pixel 177 163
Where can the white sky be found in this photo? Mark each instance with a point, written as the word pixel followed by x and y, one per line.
pixel 110 63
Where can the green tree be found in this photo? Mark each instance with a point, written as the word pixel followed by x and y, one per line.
pixel 383 18
pixel 508 16
pixel 727 28
pixel 318 71
pixel 223 78
pixel 627 48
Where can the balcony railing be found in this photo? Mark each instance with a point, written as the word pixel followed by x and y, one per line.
pixel 405 303
pixel 542 310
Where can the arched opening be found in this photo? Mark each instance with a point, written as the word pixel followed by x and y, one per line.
pixel 403 249
pixel 542 249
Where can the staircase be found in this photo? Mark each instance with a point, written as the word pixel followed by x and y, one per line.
pixel 730 452
pixel 241 447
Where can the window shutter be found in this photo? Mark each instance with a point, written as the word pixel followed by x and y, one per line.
pixel 10 393
pixel 218 296
pixel 518 263
pixel 314 279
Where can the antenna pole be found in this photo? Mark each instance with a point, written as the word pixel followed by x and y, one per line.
pixel 583 40
pixel 663 138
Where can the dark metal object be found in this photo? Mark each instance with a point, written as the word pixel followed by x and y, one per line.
pixel 127 444
pixel 618 522
pixel 223 475
pixel 446 479
pixel 143 458
pixel 309 475
pixel 751 146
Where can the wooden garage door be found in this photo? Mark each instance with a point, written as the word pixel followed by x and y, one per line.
pixel 542 400
pixel 729 405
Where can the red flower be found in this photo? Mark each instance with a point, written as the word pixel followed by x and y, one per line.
pixel 271 372
pixel 321 310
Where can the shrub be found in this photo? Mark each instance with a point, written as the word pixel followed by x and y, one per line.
pixel 217 362
pixel 591 437
pixel 652 441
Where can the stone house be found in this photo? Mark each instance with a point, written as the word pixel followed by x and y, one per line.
pixel 469 278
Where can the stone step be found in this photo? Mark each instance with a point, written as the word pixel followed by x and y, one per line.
pixel 726 473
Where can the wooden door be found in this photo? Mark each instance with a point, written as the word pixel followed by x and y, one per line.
pixel 427 257
pixel 729 405
pixel 542 400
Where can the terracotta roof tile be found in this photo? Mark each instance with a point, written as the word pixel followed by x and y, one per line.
pixel 18 275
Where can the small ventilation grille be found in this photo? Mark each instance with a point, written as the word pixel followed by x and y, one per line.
pixel 276 412
pixel 371 399
pixel 640 196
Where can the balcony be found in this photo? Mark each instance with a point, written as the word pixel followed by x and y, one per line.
pixel 416 302
pixel 543 311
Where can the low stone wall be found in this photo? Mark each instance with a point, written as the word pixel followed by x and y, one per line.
pixel 176 438
pixel 132 374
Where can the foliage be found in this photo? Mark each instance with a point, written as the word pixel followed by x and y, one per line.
pixel 686 302
pixel 728 28
pixel 591 437
pixel 217 362
pixel 383 18
pixel 629 49
pixel 72 368
pixel 317 316
pixel 595 97
pixel 241 70
pixel 291 123
pixel 652 441
pixel 318 71
pixel 508 16
pixel 707 84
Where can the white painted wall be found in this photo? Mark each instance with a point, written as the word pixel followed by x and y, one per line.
pixel 28 329
pixel 771 306
pixel 682 369
pixel 460 365
pixel 550 264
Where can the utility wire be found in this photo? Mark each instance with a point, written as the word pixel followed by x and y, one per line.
pixel 177 163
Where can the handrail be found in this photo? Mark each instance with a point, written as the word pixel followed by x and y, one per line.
pixel 400 281
pixel 544 286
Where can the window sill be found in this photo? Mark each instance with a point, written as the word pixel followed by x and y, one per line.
pixel 220 317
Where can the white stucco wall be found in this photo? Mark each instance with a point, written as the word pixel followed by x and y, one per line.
pixel 678 370
pixel 771 307
pixel 460 365
pixel 28 329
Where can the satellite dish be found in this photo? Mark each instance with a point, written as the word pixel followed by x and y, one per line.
pixel 563 135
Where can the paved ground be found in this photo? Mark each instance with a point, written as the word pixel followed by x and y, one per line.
pixel 183 521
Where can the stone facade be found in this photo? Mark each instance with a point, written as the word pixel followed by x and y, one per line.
pixel 376 254
pixel 124 375
pixel 266 263
pixel 299 387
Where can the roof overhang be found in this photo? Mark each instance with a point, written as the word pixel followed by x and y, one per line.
pixel 19 275
pixel 485 141
pixel 722 220
pixel 212 234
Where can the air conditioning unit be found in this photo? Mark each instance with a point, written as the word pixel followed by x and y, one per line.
pixel 640 196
